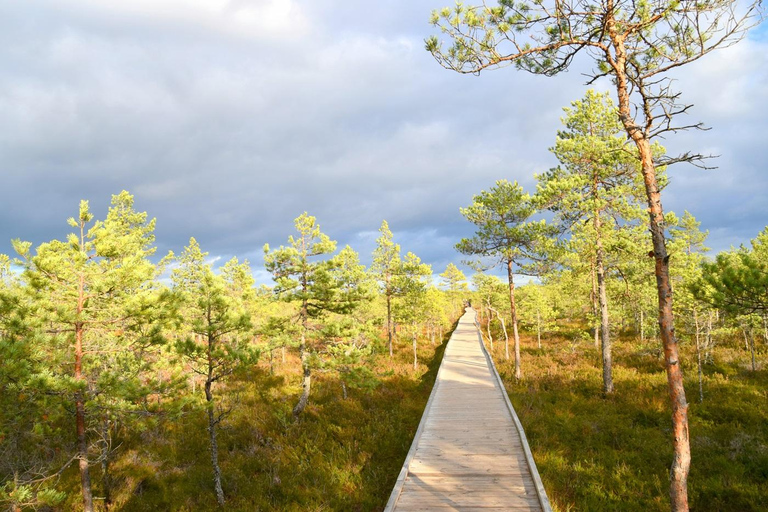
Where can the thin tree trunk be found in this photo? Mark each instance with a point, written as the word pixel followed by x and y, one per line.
pixel 488 328
pixel 504 330
pixel 282 354
pixel 106 477
pixel 306 383
pixel 212 425
pixel 214 454
pixel 698 355
pixel 538 327
pixel 390 327
pixel 82 446
pixel 709 336
pixel 765 327
pixel 681 461
pixel 605 331
pixel 642 325
pixel 506 336
pixel 595 309
pixel 513 309
pixel 415 346
pixel 82 442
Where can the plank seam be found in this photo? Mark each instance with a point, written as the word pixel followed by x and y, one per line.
pixel 422 425
pixel 538 484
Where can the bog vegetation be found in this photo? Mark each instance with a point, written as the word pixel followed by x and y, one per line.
pixel 589 384
pixel 135 381
pixel 133 385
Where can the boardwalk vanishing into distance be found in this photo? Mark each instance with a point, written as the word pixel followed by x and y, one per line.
pixel 470 452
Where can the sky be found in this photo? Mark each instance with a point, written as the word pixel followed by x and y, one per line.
pixel 229 118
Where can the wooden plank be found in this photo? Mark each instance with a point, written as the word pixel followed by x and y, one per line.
pixel 469 454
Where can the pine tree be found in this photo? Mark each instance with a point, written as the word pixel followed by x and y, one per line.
pixel 386 267
pixel 304 273
pixel 638 45
pixel 411 308
pixel 506 235
pixel 96 295
pixel 594 192
pixel 217 324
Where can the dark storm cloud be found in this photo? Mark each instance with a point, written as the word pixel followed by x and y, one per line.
pixel 229 119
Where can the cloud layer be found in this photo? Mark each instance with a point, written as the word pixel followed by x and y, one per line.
pixel 227 119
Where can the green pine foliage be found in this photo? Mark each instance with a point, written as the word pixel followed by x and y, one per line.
pixel 135 384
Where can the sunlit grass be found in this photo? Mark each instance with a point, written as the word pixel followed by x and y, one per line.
pixel 613 453
pixel 344 454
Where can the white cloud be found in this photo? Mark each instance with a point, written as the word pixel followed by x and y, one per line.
pixel 256 19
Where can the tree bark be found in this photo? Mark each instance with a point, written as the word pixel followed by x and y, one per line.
pixel 698 354
pixel 605 331
pixel 506 336
pixel 513 309
pixel 82 442
pixel 415 354
pixel 306 383
pixel 106 477
pixel 212 423
pixel 681 461
pixel 389 319
pixel 214 452
pixel 488 328
pixel 538 327
pixel 595 309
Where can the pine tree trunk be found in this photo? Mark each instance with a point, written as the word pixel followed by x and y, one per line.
pixel 538 327
pixel 605 331
pixel 681 461
pixel 506 337
pixel 415 354
pixel 642 325
pixel 389 323
pixel 744 335
pixel 106 477
pixel 306 383
pixel 82 442
pixel 595 309
pixel 698 355
pixel 82 447
pixel 765 327
pixel 214 453
pixel 212 425
pixel 488 328
pixel 513 309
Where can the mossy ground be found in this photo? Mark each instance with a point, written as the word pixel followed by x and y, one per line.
pixel 613 453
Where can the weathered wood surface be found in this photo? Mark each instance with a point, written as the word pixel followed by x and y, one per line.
pixel 470 452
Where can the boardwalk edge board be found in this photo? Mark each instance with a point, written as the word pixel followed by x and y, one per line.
pixel 412 451
pixel 397 491
pixel 543 499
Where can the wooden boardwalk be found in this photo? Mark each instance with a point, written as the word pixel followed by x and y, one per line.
pixel 470 452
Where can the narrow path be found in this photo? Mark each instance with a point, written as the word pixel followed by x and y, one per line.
pixel 470 451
